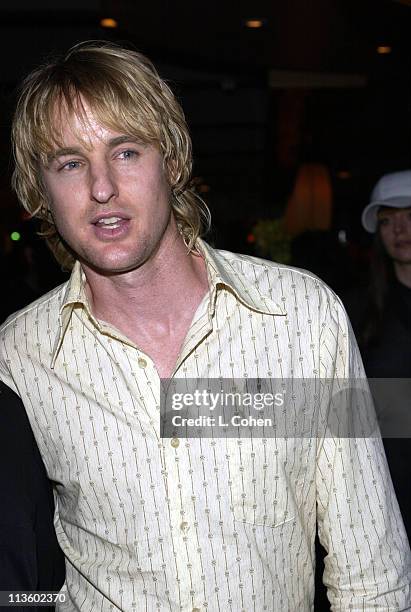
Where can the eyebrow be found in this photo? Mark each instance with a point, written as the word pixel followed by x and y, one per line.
pixel 113 142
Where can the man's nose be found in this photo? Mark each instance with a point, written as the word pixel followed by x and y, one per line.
pixel 103 186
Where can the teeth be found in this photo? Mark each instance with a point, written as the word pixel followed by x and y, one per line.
pixel 109 221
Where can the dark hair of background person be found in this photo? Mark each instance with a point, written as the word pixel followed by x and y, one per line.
pixel 382 276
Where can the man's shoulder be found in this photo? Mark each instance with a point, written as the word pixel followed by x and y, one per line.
pixel 254 269
pixel 45 308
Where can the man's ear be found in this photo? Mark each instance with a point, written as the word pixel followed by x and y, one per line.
pixel 172 174
pixel 46 208
pixel 46 211
pixel 169 168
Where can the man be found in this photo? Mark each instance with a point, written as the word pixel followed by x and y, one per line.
pixel 103 157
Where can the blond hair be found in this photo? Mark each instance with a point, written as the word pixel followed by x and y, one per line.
pixel 126 94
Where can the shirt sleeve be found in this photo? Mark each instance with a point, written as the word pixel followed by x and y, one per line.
pixel 359 523
pixel 5 361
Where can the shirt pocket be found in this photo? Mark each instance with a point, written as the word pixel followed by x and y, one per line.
pixel 266 481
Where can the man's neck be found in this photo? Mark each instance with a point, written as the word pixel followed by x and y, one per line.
pixel 157 290
pixel 153 305
pixel 403 273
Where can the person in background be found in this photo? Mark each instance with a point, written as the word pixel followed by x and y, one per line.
pixel 385 337
pixel 382 318
pixel 30 557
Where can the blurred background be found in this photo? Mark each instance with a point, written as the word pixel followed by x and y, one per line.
pixel 295 109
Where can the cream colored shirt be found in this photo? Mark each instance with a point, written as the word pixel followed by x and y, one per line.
pixel 205 524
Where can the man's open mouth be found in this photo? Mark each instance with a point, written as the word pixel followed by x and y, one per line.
pixel 110 222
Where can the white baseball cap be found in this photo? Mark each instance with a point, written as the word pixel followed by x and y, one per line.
pixel 393 190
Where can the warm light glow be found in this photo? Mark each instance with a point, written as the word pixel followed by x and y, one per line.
pixel 250 238
pixel 383 49
pixel 254 23
pixel 203 188
pixel 15 236
pixel 344 174
pixel 108 22
pixel 309 208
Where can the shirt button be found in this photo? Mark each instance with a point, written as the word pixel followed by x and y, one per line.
pixel 184 526
pixel 175 442
pixel 142 362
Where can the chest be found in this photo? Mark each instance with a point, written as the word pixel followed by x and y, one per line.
pixel 99 382
pixel 160 348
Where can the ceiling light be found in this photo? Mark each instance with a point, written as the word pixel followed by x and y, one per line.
pixel 383 49
pixel 254 23
pixel 108 22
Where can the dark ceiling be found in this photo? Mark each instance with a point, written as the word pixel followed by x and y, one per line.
pixel 314 35
pixel 325 35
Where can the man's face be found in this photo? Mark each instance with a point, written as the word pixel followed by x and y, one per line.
pixel 395 231
pixel 109 196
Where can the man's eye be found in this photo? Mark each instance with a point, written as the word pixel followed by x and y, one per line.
pixel 383 221
pixel 128 154
pixel 71 165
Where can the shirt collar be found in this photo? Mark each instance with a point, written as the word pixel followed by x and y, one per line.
pixel 221 274
pixel 74 296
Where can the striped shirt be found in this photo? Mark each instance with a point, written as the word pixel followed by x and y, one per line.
pixel 150 523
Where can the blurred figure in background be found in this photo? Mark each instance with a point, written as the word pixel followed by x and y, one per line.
pixel 30 557
pixel 382 317
pixel 386 334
